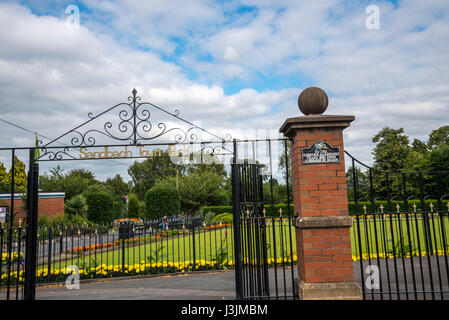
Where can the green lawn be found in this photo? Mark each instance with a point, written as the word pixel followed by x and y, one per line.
pixel 381 235
pixel 181 248
pixel 399 236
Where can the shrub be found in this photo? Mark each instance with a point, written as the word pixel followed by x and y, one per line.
pixel 76 205
pixel 60 220
pixel 223 218
pixel 268 208
pixel 209 217
pixel 100 206
pixel 44 222
pixel 142 209
pixel 133 206
pixel 117 209
pixel 79 220
pixel 162 201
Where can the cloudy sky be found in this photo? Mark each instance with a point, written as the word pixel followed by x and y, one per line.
pixel 235 67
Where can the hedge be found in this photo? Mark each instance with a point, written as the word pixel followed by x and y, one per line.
pixel 228 209
pixel 394 203
pixel 223 218
pixel 351 207
pixel 100 206
pixel 133 206
pixel 162 201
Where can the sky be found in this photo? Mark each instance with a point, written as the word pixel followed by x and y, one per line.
pixel 232 67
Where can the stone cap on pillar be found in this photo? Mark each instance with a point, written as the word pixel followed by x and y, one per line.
pixel 292 125
pixel 313 102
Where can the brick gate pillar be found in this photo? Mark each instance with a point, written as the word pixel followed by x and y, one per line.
pixel 322 222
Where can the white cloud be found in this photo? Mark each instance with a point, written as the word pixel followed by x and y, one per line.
pixel 51 76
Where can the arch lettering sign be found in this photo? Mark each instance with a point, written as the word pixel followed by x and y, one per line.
pixel 320 152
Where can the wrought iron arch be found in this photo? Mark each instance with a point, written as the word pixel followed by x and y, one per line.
pixel 134 126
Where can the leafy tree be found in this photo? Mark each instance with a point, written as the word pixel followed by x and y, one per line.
pixel 147 173
pixel 133 206
pixel 438 137
pixel 282 159
pixel 76 206
pixel 283 168
pixel 3 184
pixel 199 189
pixel 52 181
pixel 162 201
pixel 117 187
pixel 363 184
pixel 20 177
pixel 100 206
pixel 279 192
pixel 391 150
pixel 73 183
pixel 439 161
pixel 419 146
pixel 390 154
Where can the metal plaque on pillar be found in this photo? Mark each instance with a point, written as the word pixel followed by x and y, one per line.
pixel 320 152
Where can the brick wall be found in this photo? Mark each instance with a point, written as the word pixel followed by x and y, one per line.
pixel 49 207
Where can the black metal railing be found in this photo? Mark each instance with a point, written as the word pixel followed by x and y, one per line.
pixel 105 251
pixel 400 234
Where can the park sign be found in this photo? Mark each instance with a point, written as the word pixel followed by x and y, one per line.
pixel 320 152
pixel 178 154
pixel 109 153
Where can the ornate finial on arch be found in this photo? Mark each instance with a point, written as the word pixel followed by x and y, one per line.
pixel 134 92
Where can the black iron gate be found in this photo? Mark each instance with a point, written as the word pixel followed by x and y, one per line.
pixel 250 228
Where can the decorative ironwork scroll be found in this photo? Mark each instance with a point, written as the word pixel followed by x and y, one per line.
pixel 133 125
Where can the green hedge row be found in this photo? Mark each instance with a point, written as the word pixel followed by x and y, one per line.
pixel 271 212
pixel 402 207
pixel 351 207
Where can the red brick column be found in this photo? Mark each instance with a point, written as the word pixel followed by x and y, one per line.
pixel 325 267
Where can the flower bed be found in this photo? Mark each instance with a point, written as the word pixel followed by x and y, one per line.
pixel 117 243
pixel 15 258
pixel 142 268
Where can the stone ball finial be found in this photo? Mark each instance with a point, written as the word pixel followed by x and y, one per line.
pixel 313 100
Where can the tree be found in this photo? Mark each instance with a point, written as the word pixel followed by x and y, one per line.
pixel 3 184
pixel 147 173
pixel 199 189
pixel 438 137
pixel 279 192
pixel 162 201
pixel 133 206
pixel 363 184
pixel 419 146
pixel 439 161
pixel 100 206
pixel 390 154
pixel 20 176
pixel 283 167
pixel 117 187
pixel 391 150
pixel 73 183
pixel 77 181
pixel 52 181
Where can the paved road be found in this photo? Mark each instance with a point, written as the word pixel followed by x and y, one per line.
pixel 396 275
pixel 215 286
